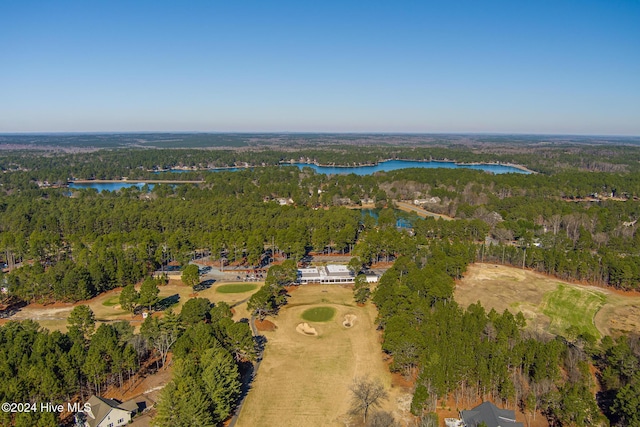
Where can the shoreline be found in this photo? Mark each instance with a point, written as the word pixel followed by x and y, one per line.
pixel 461 164
pixel 137 181
pixel 185 170
pixel 317 164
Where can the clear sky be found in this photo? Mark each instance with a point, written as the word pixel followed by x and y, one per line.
pixel 322 66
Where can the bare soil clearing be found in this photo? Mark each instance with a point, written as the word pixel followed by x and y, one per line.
pixel 304 380
pixel 264 325
pixel 408 207
pixel 549 305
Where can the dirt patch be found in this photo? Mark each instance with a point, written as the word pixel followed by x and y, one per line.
pixel 621 315
pixel 264 325
pixel 305 329
pixel 291 288
pixel 349 320
pixel 399 380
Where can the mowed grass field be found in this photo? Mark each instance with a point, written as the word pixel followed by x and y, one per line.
pixel 572 307
pixel 548 304
pixel 236 288
pixel 319 314
pixel 106 307
pixel 304 380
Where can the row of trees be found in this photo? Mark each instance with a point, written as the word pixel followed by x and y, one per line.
pixel 272 295
pixel 42 366
pixel 208 359
pixel 115 239
pixel 39 366
pixel 471 354
pixel 138 163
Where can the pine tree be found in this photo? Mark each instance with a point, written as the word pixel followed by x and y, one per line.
pixel 221 381
pixel 191 275
pixel 129 298
pixel 149 293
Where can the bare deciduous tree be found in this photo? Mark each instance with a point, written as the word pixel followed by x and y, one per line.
pixel 367 394
pixel 382 419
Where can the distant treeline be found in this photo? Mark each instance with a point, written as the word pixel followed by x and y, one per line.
pixel 136 163
pixel 74 247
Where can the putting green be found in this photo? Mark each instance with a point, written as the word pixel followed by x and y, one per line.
pixel 114 300
pixel 319 314
pixel 236 288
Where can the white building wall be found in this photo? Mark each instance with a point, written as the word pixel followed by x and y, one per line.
pixel 114 416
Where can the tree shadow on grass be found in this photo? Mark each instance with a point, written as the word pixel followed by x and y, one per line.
pixel 203 285
pixel 260 344
pixel 12 309
pixel 167 302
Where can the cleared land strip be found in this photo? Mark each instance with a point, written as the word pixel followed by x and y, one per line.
pixel 550 305
pixel 408 207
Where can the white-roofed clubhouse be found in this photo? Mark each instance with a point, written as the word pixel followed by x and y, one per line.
pixel 329 274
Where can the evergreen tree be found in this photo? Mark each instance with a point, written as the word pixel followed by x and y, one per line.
pixel 148 293
pixel 129 298
pixel 81 322
pixel 361 289
pixel 195 310
pixel 221 381
pixel 191 275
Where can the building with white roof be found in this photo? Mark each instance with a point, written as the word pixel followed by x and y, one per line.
pixel 329 274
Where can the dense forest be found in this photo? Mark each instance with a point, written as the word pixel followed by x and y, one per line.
pixel 41 366
pixel 576 225
pixel 576 219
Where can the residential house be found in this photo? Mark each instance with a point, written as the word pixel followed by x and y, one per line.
pixel 491 415
pixel 109 412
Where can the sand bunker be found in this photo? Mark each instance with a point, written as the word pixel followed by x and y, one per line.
pixel 305 329
pixel 349 320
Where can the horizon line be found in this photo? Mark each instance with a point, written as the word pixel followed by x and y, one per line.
pixel 213 132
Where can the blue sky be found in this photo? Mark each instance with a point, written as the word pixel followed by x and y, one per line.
pixel 322 66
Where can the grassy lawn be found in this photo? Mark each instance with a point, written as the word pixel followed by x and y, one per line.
pixel 572 307
pixel 548 304
pixel 319 314
pixel 110 302
pixel 236 288
pixel 305 381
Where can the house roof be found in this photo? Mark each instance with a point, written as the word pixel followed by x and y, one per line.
pixel 130 405
pixel 491 415
pixel 329 271
pixel 100 408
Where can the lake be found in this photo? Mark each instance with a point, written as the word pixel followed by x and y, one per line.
pixel 391 165
pixel 402 220
pixel 386 166
pixel 109 186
